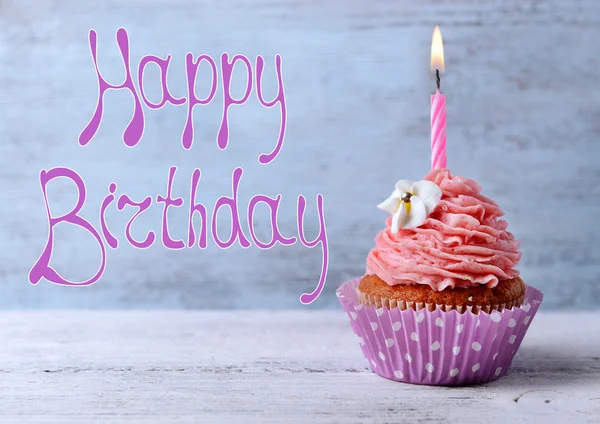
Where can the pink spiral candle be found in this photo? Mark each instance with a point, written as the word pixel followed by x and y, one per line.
pixel 438 130
pixel 438 104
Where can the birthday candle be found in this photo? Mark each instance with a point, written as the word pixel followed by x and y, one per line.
pixel 438 130
pixel 438 105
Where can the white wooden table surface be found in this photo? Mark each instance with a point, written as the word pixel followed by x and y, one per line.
pixel 301 366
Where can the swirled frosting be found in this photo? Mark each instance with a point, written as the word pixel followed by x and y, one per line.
pixel 461 244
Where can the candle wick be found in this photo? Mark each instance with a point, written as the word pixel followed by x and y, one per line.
pixel 437 78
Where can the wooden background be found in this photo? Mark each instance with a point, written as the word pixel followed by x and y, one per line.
pixel 523 119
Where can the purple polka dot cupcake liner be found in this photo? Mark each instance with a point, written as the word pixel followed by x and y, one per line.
pixel 438 347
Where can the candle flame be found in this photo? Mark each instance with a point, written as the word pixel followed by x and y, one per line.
pixel 437 51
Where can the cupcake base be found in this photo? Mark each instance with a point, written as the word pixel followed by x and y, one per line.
pixel 438 347
pixel 373 291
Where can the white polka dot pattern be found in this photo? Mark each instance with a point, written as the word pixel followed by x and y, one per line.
pixel 437 347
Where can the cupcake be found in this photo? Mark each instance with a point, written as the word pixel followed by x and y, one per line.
pixel 442 301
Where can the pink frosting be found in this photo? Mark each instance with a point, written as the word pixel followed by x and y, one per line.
pixel 462 243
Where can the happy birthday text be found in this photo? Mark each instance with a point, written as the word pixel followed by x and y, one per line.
pixel 196 237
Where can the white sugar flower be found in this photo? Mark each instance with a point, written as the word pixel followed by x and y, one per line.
pixel 411 203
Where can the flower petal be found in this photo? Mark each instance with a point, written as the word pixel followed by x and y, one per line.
pixel 429 193
pixel 404 186
pixel 417 215
pixel 391 204
pixel 399 217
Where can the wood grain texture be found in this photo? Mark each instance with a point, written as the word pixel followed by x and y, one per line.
pixel 255 366
pixel 523 119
